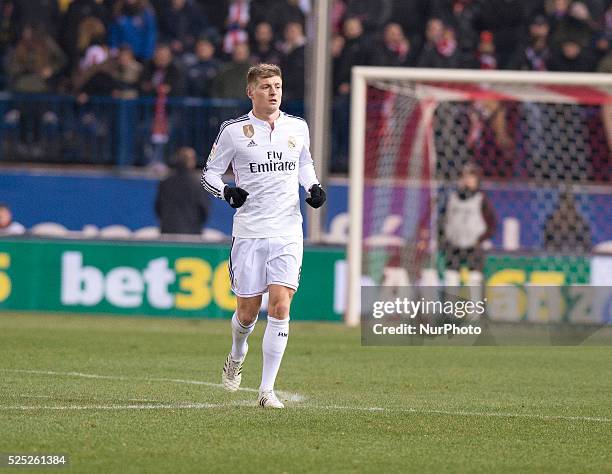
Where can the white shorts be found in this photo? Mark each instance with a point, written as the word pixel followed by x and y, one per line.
pixel 255 264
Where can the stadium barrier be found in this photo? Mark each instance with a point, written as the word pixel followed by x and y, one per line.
pixel 170 279
pixel 190 280
pixel 109 131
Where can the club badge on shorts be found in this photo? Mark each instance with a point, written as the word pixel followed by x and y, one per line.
pixel 248 130
pixel 291 143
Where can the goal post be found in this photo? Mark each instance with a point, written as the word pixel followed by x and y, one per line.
pixel 532 133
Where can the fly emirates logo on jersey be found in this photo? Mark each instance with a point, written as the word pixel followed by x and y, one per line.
pixel 273 164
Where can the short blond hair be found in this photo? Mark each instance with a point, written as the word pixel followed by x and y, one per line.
pixel 262 71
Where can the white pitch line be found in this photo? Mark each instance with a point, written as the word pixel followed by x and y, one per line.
pixel 162 406
pixel 290 396
pixel 293 397
pixel 461 413
pixel 249 403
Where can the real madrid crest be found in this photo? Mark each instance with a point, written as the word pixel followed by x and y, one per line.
pixel 291 142
pixel 248 130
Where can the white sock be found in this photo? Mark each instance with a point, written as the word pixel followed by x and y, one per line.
pixel 273 348
pixel 240 333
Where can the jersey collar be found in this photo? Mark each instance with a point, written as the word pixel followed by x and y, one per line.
pixel 263 123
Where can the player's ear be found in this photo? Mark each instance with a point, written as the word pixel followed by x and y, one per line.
pixel 249 92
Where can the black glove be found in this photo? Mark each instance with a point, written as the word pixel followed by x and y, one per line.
pixel 235 196
pixel 316 196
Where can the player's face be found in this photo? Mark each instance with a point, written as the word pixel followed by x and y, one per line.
pixel 266 94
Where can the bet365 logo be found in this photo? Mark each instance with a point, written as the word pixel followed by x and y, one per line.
pixel 5 281
pixel 191 284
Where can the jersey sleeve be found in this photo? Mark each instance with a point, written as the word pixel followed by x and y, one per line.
pixel 216 165
pixel 307 175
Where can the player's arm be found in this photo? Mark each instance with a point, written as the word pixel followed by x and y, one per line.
pixel 316 196
pixel 216 165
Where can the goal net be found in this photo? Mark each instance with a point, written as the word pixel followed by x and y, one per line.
pixel 472 177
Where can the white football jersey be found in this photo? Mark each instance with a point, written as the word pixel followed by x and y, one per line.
pixel 269 164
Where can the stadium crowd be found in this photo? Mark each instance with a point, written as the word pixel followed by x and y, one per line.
pixel 131 48
pixel 202 48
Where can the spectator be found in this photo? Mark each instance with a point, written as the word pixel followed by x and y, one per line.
pixel 412 16
pixel 32 67
pixel 229 83
pixel 531 9
pixel 263 49
pixel 91 44
pixel 134 24
pixel 259 11
pixel 117 76
pixel 7 225
pixel 202 68
pixel 355 52
pixel 161 73
pixel 565 230
pixel 489 140
pixel 45 13
pixel 161 78
pixel 607 23
pixel 486 57
pixel 293 62
pixel 77 12
pixel 603 37
pixel 126 72
pixel 395 49
pixel 571 57
pixel 216 12
pixel 238 18
pixel 34 62
pixel 575 26
pixel 284 12
pixel 8 30
pixel 180 204
pixel 180 24
pixel 440 50
pixel 535 55
pixel 556 10
pixel 339 138
pixel 504 19
pixel 462 16
pixel 337 13
pixel 374 14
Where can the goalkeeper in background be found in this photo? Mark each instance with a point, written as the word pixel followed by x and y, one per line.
pixel 269 151
pixel 468 219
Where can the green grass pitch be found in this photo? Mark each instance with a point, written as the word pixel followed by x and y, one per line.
pixel 141 395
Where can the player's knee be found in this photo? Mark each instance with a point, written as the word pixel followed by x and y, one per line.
pixel 279 309
pixel 247 315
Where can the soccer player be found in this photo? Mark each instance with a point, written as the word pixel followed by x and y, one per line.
pixel 269 153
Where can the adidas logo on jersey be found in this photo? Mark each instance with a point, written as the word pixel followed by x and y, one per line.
pixel 251 143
